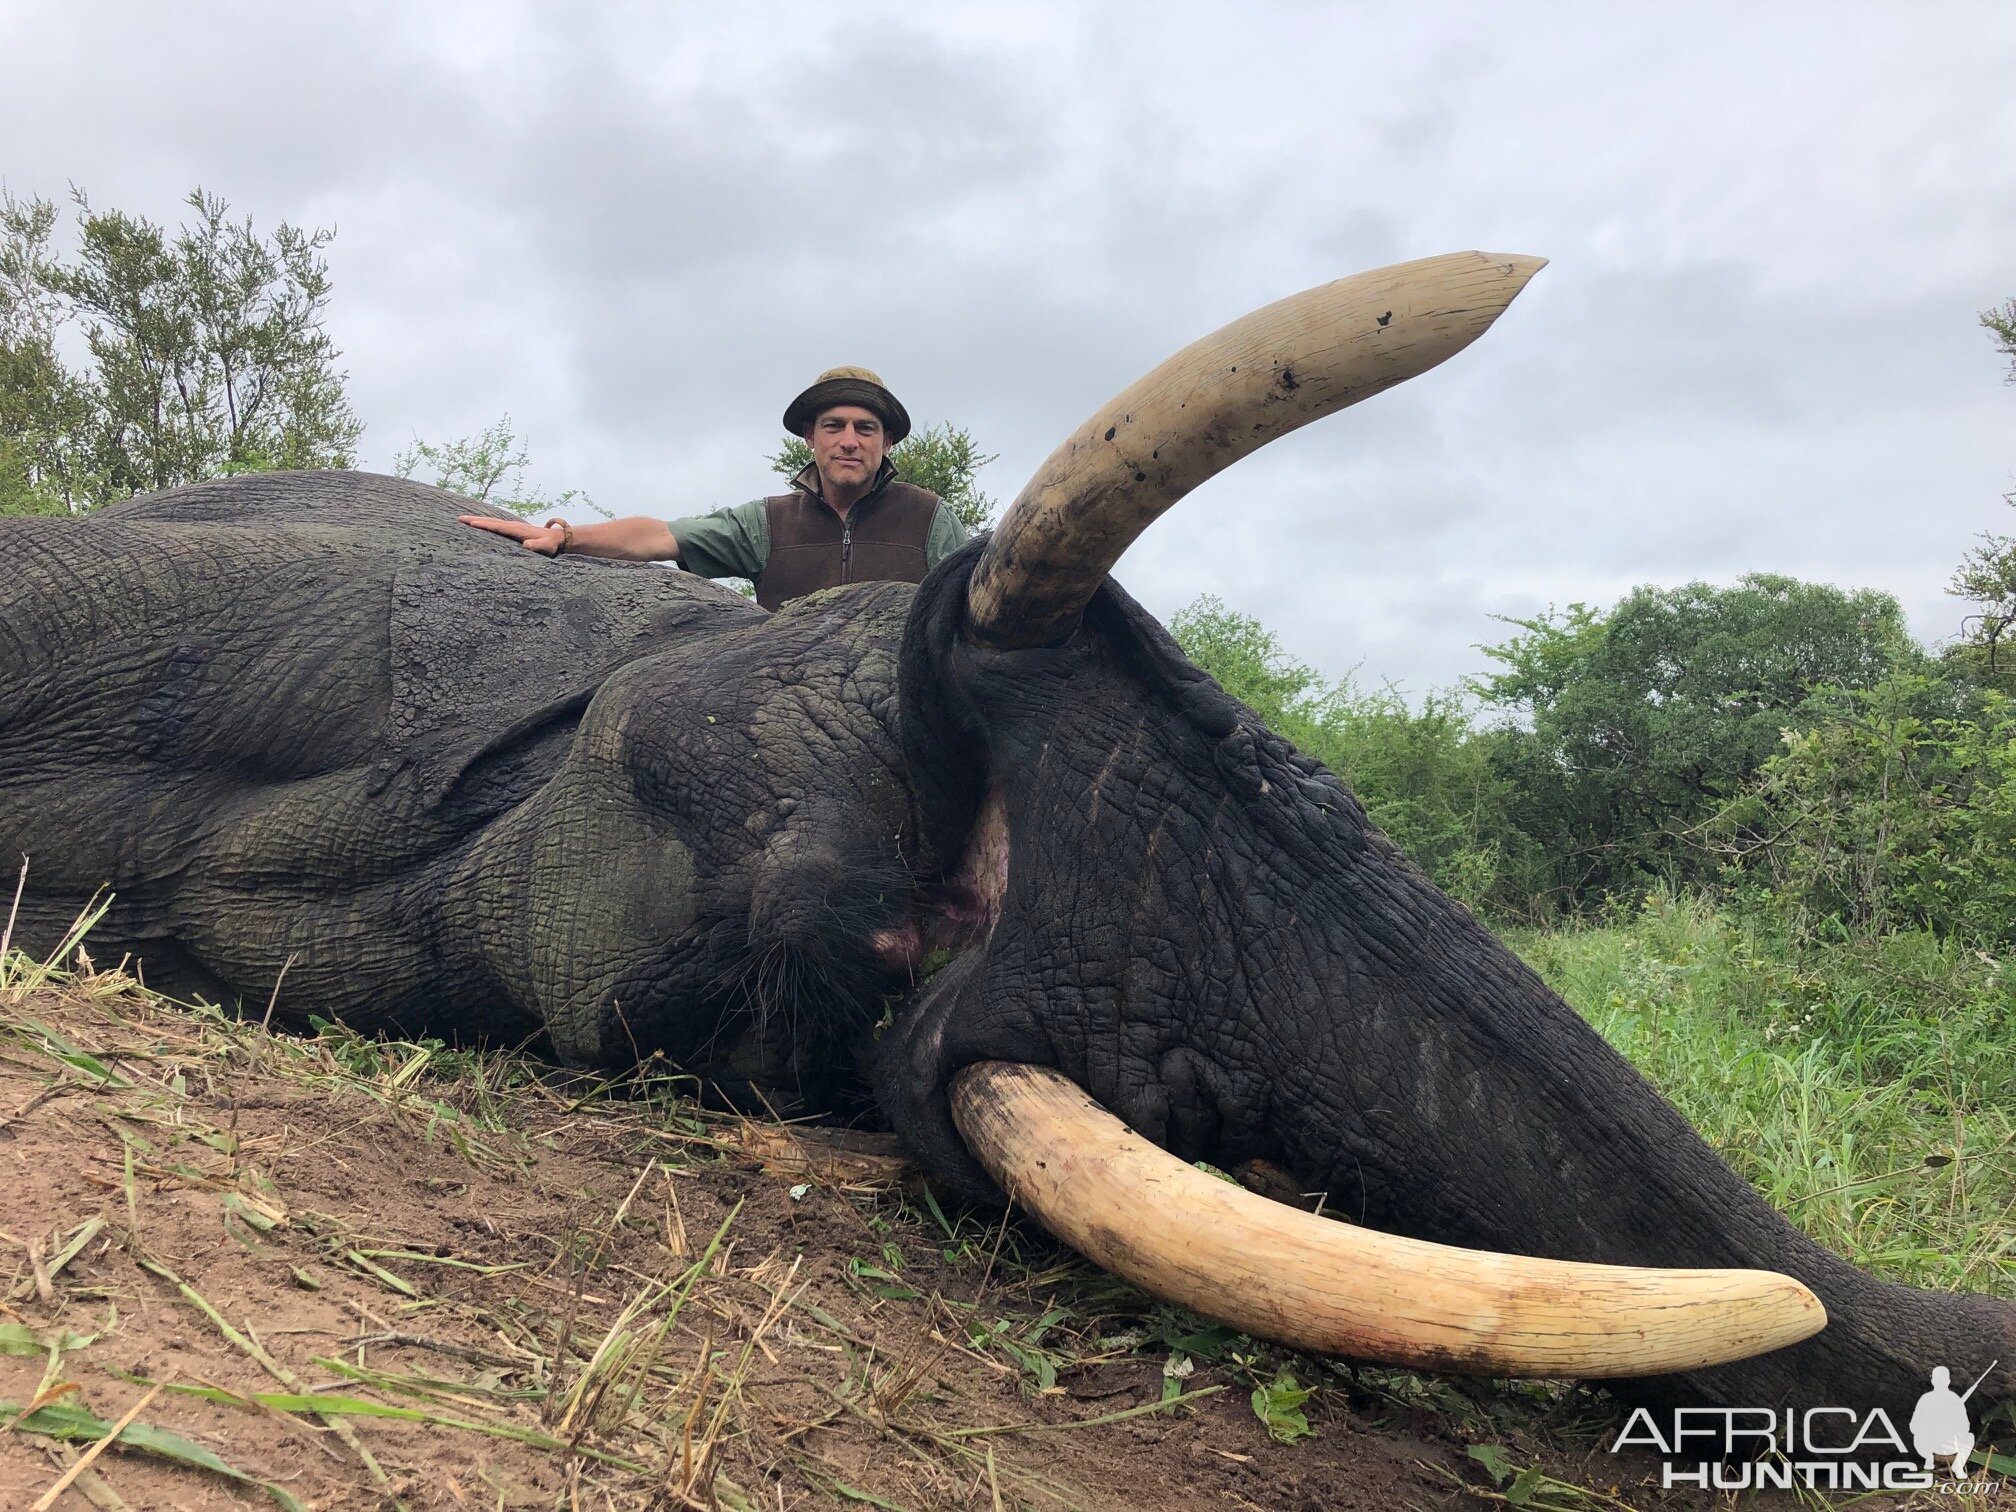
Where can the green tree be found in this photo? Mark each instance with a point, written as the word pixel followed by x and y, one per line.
pixel 1986 576
pixel 942 458
pixel 207 354
pixel 1625 730
pixel 2000 323
pixel 45 411
pixel 488 467
pixel 1894 808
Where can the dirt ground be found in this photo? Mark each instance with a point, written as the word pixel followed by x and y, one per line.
pixel 334 1273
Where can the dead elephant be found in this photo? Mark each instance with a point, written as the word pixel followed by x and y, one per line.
pixel 465 790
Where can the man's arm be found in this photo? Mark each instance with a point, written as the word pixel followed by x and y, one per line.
pixel 635 538
pixel 729 542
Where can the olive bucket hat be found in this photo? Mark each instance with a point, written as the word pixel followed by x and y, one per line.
pixel 847 385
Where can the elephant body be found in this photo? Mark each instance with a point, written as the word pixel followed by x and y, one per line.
pixel 309 723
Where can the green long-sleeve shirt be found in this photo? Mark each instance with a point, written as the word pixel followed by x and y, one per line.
pixel 735 541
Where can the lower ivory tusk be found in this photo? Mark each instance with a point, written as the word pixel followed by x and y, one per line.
pixel 1333 1288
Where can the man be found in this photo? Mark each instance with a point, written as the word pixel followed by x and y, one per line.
pixel 846 519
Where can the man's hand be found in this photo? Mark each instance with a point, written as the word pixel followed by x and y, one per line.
pixel 546 540
pixel 635 538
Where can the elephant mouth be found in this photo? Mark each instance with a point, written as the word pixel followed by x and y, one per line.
pixel 1330 1287
pixel 961 910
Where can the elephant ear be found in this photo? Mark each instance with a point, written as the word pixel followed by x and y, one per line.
pixel 489 668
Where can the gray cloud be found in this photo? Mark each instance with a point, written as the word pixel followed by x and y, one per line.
pixel 640 230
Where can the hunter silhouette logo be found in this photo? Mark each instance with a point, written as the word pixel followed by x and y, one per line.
pixel 1939 1425
pixel 1817 1448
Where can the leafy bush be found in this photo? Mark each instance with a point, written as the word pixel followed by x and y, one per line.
pixel 1627 729
pixel 1894 808
pixel 1425 776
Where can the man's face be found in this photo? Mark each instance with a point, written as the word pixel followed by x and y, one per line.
pixel 847 445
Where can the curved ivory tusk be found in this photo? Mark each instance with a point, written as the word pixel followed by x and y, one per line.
pixel 1219 398
pixel 1330 1287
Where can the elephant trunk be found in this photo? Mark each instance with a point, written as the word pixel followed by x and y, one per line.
pixel 1462 1100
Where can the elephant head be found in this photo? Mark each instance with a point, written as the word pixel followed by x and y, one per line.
pixel 1199 927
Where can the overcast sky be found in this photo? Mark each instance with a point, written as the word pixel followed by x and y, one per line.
pixel 641 229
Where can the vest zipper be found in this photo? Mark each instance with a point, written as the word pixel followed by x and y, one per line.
pixel 846 543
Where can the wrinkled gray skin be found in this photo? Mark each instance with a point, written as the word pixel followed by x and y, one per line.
pixel 614 810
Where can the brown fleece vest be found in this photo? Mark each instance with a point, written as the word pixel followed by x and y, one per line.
pixel 881 540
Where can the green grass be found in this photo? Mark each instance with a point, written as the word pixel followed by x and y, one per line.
pixel 1869 1088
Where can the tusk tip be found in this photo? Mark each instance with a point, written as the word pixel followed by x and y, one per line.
pixel 1805 1314
pixel 1517 266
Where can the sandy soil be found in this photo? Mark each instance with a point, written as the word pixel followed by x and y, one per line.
pixel 591 1300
